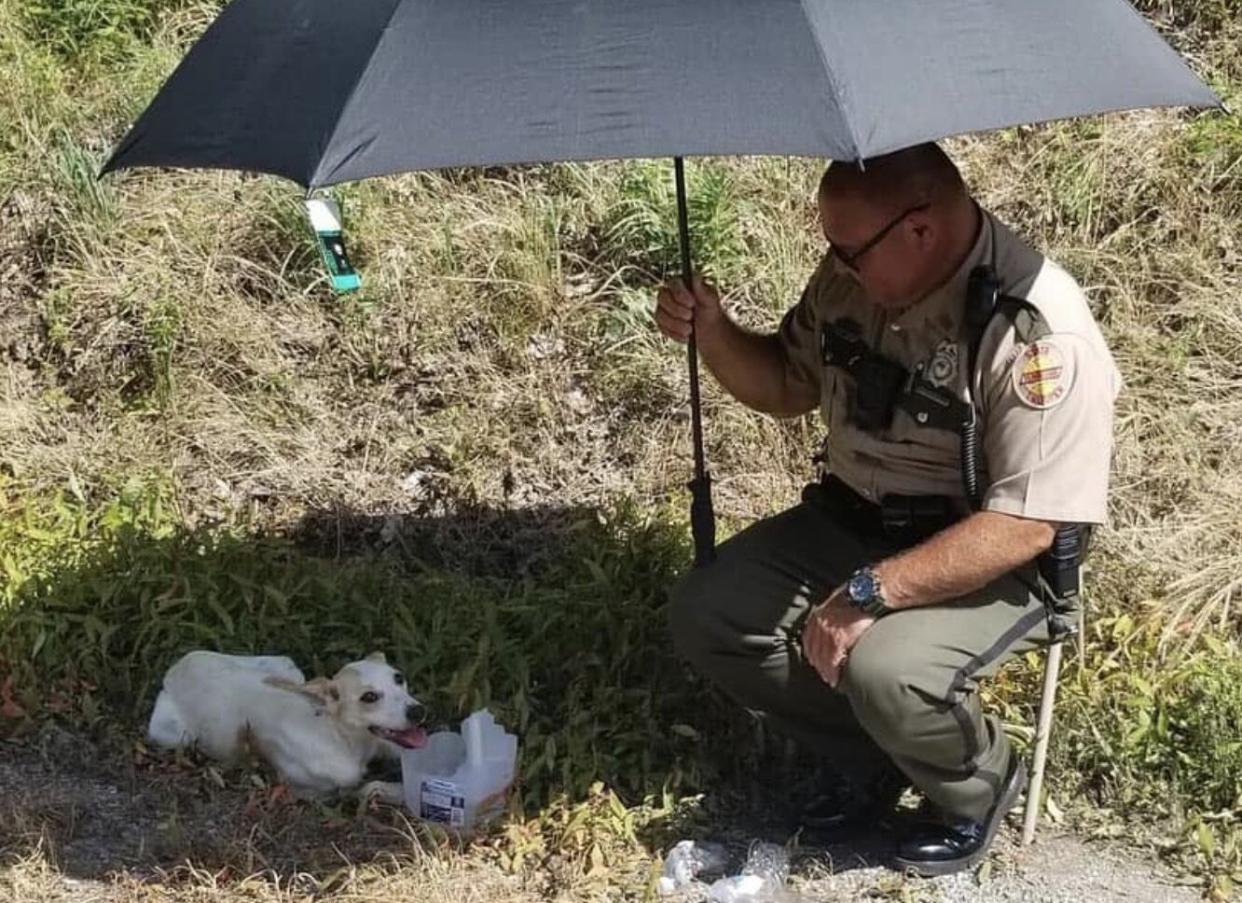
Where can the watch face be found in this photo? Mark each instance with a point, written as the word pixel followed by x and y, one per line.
pixel 861 587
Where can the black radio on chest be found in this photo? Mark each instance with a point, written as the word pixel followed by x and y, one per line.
pixel 878 381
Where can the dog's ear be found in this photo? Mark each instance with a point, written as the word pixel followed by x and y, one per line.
pixel 321 690
pixel 377 657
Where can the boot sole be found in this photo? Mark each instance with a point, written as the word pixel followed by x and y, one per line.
pixel 936 869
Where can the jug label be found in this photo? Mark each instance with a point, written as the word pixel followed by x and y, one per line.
pixel 442 801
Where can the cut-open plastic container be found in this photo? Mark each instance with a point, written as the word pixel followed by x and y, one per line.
pixel 461 780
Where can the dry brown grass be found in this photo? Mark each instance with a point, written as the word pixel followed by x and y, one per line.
pixel 502 353
pixel 81 825
pixel 1154 236
pixel 37 880
pixel 177 323
pixel 192 339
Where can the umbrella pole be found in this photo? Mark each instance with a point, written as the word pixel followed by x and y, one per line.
pixel 702 516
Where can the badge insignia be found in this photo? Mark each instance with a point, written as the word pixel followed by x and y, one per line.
pixel 942 369
pixel 1041 376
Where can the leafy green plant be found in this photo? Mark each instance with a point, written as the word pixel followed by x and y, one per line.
pixel 162 326
pixel 177 323
pixel 93 202
pixel 1214 141
pixel 642 226
pixel 1214 842
pixel 574 657
pixel 100 29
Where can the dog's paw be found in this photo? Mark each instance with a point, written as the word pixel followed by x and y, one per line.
pixel 389 793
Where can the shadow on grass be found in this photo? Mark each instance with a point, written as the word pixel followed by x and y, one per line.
pixel 552 617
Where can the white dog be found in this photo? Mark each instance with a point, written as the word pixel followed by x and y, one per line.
pixel 319 735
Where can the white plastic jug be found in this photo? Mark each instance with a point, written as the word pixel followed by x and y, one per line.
pixel 461 779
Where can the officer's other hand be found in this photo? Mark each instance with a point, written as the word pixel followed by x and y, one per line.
pixel 829 634
pixel 677 306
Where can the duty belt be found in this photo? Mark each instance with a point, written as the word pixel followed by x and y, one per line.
pixel 899 519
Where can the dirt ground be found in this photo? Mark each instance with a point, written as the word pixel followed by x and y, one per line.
pixel 78 825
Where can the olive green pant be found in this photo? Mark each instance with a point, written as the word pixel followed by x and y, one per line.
pixel 908 693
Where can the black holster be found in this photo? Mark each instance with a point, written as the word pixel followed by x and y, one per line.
pixel 898 521
pixel 916 517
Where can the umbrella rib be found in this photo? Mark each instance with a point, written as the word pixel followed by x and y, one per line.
pixel 833 81
pixel 317 178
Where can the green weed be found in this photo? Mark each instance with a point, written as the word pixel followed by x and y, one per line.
pixel 1214 142
pixel 1153 727
pixel 1214 843
pixel 641 229
pixel 92 203
pixel 94 29
pixel 502 360
pixel 573 654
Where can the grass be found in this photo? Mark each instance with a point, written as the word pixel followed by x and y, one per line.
pixel 479 462
pixel 552 617
pixel 94 30
pixel 108 596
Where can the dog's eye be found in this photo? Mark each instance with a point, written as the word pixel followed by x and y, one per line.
pixel 398 678
pixel 369 697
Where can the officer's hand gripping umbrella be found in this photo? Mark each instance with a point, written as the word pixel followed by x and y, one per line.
pixel 326 91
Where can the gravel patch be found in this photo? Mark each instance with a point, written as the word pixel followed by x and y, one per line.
pixel 109 824
pixel 1058 868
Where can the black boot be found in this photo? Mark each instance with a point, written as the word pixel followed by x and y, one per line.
pixel 942 849
pixel 843 804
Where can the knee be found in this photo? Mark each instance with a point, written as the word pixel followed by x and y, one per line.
pixel 881 688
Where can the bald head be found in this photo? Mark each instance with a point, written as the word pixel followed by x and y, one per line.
pixel 897 181
pixel 901 225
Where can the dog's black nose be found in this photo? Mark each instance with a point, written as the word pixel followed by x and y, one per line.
pixel 416 712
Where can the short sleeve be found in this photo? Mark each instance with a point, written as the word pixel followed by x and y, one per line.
pixel 799 334
pixel 1048 431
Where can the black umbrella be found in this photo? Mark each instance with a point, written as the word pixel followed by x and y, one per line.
pixel 327 91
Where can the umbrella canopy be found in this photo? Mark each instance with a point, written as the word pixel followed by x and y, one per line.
pixel 328 91
pixel 325 91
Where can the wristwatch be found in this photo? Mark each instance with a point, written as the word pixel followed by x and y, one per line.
pixel 863 591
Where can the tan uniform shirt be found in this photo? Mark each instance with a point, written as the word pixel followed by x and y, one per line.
pixel 1045 407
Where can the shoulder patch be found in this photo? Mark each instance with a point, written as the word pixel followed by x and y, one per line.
pixel 1042 375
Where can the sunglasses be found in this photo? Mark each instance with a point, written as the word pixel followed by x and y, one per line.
pixel 850 261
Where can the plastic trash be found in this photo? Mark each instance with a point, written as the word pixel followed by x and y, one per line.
pixel 737 889
pixel 768 861
pixel 762 879
pixel 687 860
pixel 461 779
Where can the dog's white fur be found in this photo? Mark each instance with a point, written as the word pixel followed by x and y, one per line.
pixel 319 735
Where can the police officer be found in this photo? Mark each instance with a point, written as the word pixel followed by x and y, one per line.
pixel 968 396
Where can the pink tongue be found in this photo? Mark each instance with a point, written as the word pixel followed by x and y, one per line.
pixel 411 738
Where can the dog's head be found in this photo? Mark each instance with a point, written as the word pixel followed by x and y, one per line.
pixel 369 696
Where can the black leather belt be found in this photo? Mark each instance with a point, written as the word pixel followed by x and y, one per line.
pixel 900 519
